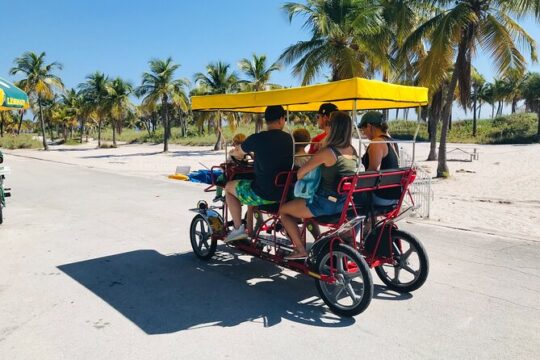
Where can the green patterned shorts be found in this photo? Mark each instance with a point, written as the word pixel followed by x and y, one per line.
pixel 247 196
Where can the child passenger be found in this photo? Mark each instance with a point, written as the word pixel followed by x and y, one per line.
pixel 237 140
pixel 300 155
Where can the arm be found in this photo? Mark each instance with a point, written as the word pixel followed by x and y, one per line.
pixel 237 152
pixel 247 147
pixel 325 157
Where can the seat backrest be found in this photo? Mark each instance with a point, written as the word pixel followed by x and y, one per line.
pixel 384 179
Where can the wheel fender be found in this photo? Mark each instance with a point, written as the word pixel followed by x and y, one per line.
pixel 214 219
pixel 321 246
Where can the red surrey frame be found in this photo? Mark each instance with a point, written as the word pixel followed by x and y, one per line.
pixel 349 186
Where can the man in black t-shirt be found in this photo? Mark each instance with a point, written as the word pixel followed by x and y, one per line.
pixel 273 151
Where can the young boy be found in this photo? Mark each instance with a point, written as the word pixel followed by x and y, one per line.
pixel 237 140
pixel 300 156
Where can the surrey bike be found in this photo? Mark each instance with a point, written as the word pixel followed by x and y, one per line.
pixel 358 238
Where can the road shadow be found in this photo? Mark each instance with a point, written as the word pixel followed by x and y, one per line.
pixel 72 149
pixel 168 293
pixel 383 293
pixel 178 153
pixel 122 155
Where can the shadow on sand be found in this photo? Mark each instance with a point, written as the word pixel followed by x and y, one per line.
pixel 164 294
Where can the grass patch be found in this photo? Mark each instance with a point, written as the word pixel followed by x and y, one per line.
pixel 510 129
pixel 132 136
pixel 22 141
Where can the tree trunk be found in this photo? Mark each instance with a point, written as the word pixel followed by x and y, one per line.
pixel 480 110
pixel 492 110
pixel 514 104
pixel 113 134
pixel 442 167
pixel 1 124
pixel 82 128
pixel 258 123
pixel 99 133
pixel 20 123
pixel 397 114
pixel 165 121
pixel 474 113
pixel 219 142
pixel 153 121
pixel 406 113
pixel 432 125
pixel 42 122
pixel 499 108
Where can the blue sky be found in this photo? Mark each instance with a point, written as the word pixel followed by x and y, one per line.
pixel 118 37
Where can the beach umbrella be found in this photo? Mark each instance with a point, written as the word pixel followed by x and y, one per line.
pixel 11 97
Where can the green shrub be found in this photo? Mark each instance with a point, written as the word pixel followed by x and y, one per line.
pixel 22 141
pixel 510 129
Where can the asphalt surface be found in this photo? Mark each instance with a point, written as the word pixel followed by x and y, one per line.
pixel 97 265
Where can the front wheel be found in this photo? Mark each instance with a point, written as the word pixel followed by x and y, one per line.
pixel 200 233
pixel 352 290
pixel 410 267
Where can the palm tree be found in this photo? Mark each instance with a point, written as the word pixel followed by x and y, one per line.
pixel 531 93
pixel 501 93
pixel 159 85
pixel 95 92
pixel 337 28
pixel 258 78
pixel 514 81
pixel 464 25
pixel 119 105
pixel 478 82
pixel 487 95
pixel 39 82
pixel 75 102
pixel 218 80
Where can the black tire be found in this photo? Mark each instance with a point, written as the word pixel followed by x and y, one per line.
pixel 204 246
pixel 414 271
pixel 359 280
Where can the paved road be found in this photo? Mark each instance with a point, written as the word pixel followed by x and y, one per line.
pixel 98 266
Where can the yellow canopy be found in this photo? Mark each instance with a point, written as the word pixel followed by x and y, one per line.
pixel 368 94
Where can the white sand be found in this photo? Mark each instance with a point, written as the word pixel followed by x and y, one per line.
pixel 498 194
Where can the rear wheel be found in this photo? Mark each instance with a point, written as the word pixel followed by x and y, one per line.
pixel 352 290
pixel 410 267
pixel 201 238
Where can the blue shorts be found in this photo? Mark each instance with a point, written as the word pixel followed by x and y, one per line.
pixel 320 204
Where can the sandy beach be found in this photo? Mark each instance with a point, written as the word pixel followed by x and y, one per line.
pixel 497 194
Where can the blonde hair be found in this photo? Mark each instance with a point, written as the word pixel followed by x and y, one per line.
pixel 340 135
pixel 239 138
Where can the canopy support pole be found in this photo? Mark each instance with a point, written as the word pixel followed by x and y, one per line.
pixel 290 133
pixel 221 135
pixel 419 118
pixel 354 120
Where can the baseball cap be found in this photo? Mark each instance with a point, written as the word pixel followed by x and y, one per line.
pixel 372 117
pixel 327 108
pixel 273 113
